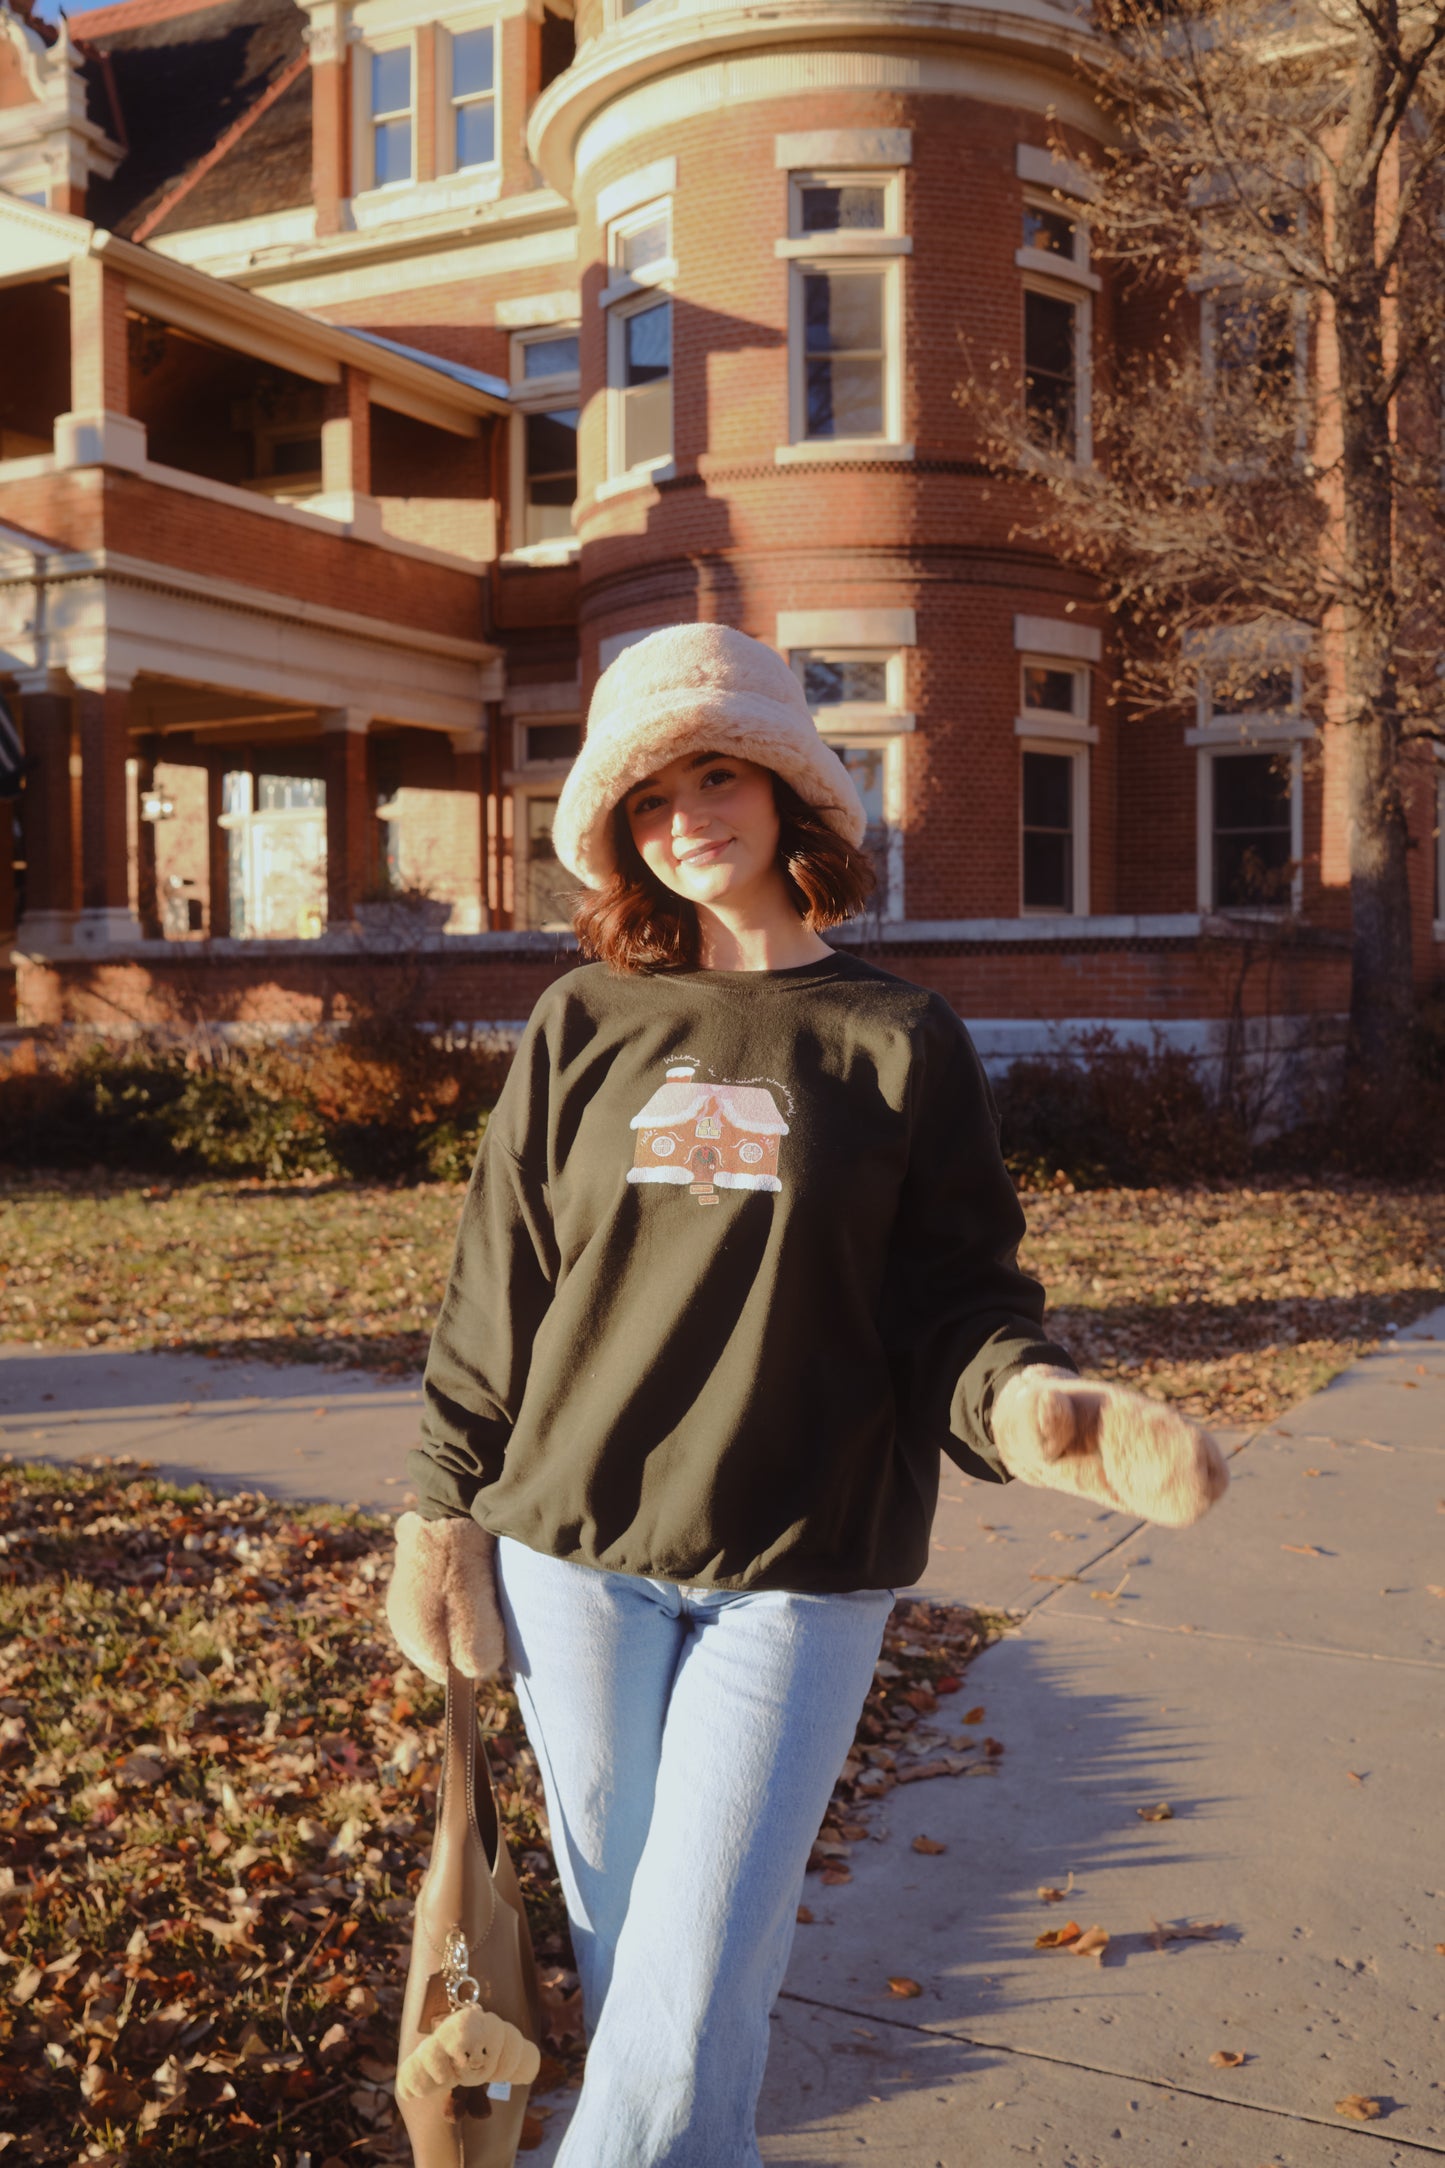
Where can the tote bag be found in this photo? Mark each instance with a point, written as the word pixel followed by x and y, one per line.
pixel 470 1943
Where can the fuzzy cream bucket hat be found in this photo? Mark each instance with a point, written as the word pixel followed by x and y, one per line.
pixel 693 688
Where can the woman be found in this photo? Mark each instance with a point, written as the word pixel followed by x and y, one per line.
pixel 737 1260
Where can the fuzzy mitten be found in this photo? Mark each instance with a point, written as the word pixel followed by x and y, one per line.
pixel 442 1602
pixel 471 2046
pixel 1100 1441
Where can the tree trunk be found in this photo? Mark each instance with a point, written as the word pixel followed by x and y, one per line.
pixel 1381 980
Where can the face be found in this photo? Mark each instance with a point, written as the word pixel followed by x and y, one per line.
pixel 706 826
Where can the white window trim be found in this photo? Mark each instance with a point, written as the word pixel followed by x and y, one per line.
pixel 532 785
pixel 842 175
pixel 620 477
pixel 1258 740
pixel 446 101
pixel 363 141
pixel 537 395
pixel 622 285
pixel 887 906
pixel 542 775
pixel 890 443
pixel 1043 261
pixel 1073 290
pixel 861 719
pixel 1040 739
pixel 1034 723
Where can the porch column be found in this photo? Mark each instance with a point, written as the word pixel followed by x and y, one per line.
pixel 469 766
pixel 218 856
pixel 47 722
pixel 147 901
pixel 346 455
pixel 99 429
pixel 106 919
pixel 350 821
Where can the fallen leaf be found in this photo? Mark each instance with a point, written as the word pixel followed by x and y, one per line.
pixel 834 1873
pixel 1357 1776
pixel 1184 1931
pixel 805 1917
pixel 1432 1588
pixel 1051 1896
pixel 1162 1813
pixel 1227 2058
pixel 1303 1550
pixel 974 1716
pixel 1058 1938
pixel 928 1844
pixel 905 1987
pixel 1359 2107
pixel 1091 1943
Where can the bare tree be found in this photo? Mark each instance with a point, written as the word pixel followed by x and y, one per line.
pixel 1268 478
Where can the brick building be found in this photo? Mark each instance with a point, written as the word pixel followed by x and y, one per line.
pixel 371 371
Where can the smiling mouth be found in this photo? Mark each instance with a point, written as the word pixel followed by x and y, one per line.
pixel 709 850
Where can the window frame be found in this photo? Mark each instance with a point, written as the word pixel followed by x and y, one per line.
pixel 1218 733
pixel 623 285
pixel 1076 751
pixel 1052 722
pixel 364 117
pixel 881 250
pixel 1224 284
pixel 522 787
pixel 539 395
pixel 639 298
pixel 869 726
pixel 1062 288
pixel 447 101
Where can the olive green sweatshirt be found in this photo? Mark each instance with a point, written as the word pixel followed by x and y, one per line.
pixel 737 1260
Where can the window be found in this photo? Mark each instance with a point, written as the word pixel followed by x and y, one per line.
pixel 1254 362
pixel 551 742
pixel 1252 829
pixel 1053 255
pixel 1250 737
pixel 1053 725
pixel 1051 691
pixel 856 698
pixel 544 889
pixel 473 98
pixel 544 477
pixel 1048 831
pixel 845 242
pixel 390 111
pixel 639 245
pixel 639 337
pixel 276 854
pixel 551 475
pixel 1051 370
pixel 640 376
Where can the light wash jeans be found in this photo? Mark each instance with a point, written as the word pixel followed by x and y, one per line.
pixel 688 1741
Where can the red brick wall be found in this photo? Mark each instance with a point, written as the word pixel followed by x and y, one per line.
pixel 1156 981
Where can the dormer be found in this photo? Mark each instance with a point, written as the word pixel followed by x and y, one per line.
pixel 50 148
pixel 421 110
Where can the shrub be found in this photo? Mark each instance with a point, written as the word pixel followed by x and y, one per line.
pixel 391 1104
pixel 1106 1113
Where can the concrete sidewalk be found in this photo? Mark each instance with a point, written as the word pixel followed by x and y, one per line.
pixel 1277 1675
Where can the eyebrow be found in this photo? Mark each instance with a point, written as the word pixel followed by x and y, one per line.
pixel 699 760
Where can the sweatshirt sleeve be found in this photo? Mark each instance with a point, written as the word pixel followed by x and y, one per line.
pixel 965 1318
pixel 503 1273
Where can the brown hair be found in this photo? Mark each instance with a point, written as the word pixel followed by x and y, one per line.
pixel 635 923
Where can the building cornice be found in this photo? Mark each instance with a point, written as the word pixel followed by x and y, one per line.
pixel 638 49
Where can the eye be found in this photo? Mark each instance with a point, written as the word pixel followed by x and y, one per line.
pixel 645 803
pixel 728 775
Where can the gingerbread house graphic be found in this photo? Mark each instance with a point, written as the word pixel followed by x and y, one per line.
pixel 708 1137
